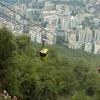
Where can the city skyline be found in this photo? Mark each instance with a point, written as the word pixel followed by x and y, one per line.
pixel 77 26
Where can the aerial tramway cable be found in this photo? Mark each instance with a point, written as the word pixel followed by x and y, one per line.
pixel 43 51
pixel 25 18
pixel 33 26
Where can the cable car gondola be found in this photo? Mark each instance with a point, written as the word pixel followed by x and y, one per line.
pixel 44 51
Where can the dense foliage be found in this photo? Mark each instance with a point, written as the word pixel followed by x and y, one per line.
pixel 66 75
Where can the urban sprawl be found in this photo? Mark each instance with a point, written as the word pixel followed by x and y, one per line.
pixel 72 23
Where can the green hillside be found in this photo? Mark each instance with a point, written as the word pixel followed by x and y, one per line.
pixel 66 75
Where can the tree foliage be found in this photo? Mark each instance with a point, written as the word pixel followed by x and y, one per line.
pixel 66 75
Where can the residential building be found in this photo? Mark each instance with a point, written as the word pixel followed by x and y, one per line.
pixel 97 47
pixel 50 16
pixel 72 39
pixel 97 35
pixel 85 35
pixel 88 47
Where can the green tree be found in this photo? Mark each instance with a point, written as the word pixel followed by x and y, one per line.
pixel 7 44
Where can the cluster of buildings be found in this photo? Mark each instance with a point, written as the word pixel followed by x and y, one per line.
pixel 27 19
pixel 74 25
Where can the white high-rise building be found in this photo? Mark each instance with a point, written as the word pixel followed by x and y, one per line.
pixel 88 47
pixel 97 47
pixel 97 34
pixel 85 35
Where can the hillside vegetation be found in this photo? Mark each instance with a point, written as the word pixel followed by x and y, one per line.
pixel 66 75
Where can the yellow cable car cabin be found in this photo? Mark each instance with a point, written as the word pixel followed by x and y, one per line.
pixel 44 53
